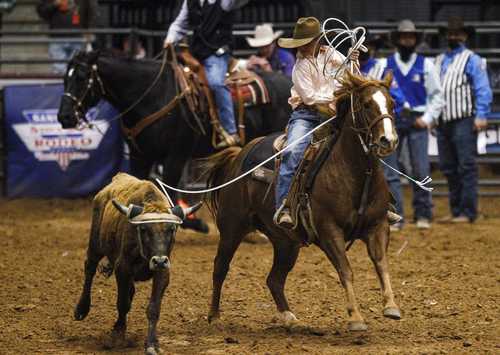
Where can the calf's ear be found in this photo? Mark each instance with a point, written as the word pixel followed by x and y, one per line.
pixel 131 211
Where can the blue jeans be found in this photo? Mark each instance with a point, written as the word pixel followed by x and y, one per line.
pixel 457 143
pixel 394 182
pixel 418 142
pixel 216 69
pixel 64 51
pixel 301 122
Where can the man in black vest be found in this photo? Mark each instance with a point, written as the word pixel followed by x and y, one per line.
pixel 212 23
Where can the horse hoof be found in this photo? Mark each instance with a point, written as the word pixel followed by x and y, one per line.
pixel 196 224
pixel 392 312
pixel 150 350
pixel 357 326
pixel 287 318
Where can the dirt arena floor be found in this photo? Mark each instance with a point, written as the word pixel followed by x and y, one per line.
pixel 447 283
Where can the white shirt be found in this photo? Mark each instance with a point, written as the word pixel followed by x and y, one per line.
pixel 312 82
pixel 180 27
pixel 435 101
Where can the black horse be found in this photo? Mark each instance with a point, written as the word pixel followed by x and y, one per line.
pixel 171 140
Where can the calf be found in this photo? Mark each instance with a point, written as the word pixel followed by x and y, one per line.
pixel 133 225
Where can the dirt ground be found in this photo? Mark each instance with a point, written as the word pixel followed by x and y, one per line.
pixel 447 283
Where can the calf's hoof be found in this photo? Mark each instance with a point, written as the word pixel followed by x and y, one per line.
pixel 357 326
pixel 152 350
pixel 392 312
pixel 213 316
pixel 81 310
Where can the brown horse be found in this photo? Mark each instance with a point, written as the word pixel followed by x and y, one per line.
pixel 335 198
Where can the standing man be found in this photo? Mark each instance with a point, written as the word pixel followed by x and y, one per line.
pixel 69 15
pixel 212 25
pixel 468 96
pixel 269 56
pixel 377 69
pixel 419 81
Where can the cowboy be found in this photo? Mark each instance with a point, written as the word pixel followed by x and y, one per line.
pixel 377 69
pixel 312 94
pixel 468 96
pixel 419 81
pixel 269 56
pixel 212 24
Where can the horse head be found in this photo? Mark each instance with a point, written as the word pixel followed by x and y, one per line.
pixel 82 89
pixel 372 111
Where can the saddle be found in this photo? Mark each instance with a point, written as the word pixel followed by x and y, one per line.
pixel 298 200
pixel 247 89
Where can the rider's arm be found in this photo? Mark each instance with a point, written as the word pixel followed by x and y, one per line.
pixel 180 27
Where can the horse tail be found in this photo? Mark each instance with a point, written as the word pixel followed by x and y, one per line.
pixel 216 168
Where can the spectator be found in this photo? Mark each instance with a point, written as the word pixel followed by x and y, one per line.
pixel 66 14
pixel 269 56
pixel 139 52
pixel 419 80
pixel 377 69
pixel 468 96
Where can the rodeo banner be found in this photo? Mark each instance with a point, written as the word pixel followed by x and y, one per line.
pixel 44 160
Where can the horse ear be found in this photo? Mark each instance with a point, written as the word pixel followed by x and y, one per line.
pixel 388 78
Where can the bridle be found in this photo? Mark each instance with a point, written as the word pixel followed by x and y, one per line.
pixel 368 144
pixel 78 108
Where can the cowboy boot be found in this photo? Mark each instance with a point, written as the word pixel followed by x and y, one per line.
pixel 283 217
pixel 228 141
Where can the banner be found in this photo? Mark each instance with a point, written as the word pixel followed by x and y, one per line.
pixel 44 160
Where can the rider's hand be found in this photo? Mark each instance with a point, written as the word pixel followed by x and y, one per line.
pixel 166 43
pixel 354 55
pixel 480 124
pixel 420 123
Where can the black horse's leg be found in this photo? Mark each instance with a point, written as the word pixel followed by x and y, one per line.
pixel 231 235
pixel 285 256
pixel 377 244
pixel 160 283
pixel 172 172
pixel 140 167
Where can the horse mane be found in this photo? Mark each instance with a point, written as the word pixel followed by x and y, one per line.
pixel 354 83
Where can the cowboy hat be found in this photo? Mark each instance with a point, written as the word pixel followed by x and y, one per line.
pixel 306 30
pixel 456 23
pixel 264 36
pixel 405 26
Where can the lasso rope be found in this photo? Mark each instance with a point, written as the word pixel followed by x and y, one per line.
pixel 356 44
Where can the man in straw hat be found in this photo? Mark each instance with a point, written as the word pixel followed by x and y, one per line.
pixel 419 80
pixel 468 96
pixel 269 57
pixel 312 96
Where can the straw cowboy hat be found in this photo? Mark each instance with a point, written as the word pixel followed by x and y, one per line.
pixel 456 23
pixel 405 26
pixel 306 30
pixel 264 36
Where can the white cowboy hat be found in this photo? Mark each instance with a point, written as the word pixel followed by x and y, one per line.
pixel 264 36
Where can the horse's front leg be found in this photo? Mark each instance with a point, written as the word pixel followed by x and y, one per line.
pixel 160 283
pixel 332 243
pixel 377 244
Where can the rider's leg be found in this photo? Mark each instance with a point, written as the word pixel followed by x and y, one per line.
pixel 216 69
pixel 301 122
